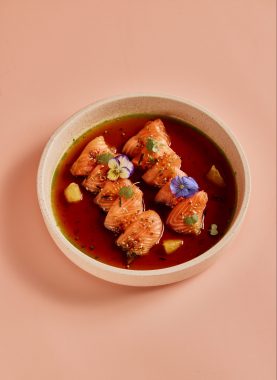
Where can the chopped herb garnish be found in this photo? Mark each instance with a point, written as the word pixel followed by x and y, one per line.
pixel 190 220
pixel 104 158
pixel 152 145
pixel 126 192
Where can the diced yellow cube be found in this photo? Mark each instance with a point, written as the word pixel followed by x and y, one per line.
pixel 73 193
pixel 215 177
pixel 171 246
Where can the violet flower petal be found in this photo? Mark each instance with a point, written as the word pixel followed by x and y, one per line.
pixel 183 186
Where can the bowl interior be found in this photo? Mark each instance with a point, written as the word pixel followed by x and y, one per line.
pixel 121 106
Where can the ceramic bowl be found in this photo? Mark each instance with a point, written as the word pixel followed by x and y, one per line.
pixel 143 103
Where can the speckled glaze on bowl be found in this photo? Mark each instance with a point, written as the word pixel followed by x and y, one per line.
pixel 110 109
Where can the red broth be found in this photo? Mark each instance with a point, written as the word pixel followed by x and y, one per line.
pixel 83 222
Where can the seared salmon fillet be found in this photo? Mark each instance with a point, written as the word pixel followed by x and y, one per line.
pixel 186 217
pixel 153 129
pixel 88 158
pixel 96 179
pixel 109 193
pixel 140 236
pixel 166 168
pixel 124 211
pixel 133 146
pixel 147 158
pixel 166 196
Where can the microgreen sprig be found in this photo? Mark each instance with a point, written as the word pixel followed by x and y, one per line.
pixel 104 158
pixel 152 145
pixel 190 220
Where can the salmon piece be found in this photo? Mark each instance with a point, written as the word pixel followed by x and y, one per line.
pixel 109 193
pixel 133 146
pixel 186 217
pixel 124 211
pixel 166 168
pixel 140 236
pixel 146 159
pixel 88 158
pixel 153 129
pixel 166 196
pixel 96 179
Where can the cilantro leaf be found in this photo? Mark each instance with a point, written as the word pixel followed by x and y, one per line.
pixel 151 145
pixel 126 192
pixel 104 158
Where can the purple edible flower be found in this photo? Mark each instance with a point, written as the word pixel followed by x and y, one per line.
pixel 183 186
pixel 120 167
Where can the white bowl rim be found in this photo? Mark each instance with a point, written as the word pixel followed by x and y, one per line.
pixel 58 235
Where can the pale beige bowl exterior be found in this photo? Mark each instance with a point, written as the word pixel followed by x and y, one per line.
pixel 111 108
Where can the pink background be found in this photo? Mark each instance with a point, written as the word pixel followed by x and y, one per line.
pixel 58 322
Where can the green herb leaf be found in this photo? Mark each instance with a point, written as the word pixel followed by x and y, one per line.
pixel 190 220
pixel 151 145
pixel 104 158
pixel 126 192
